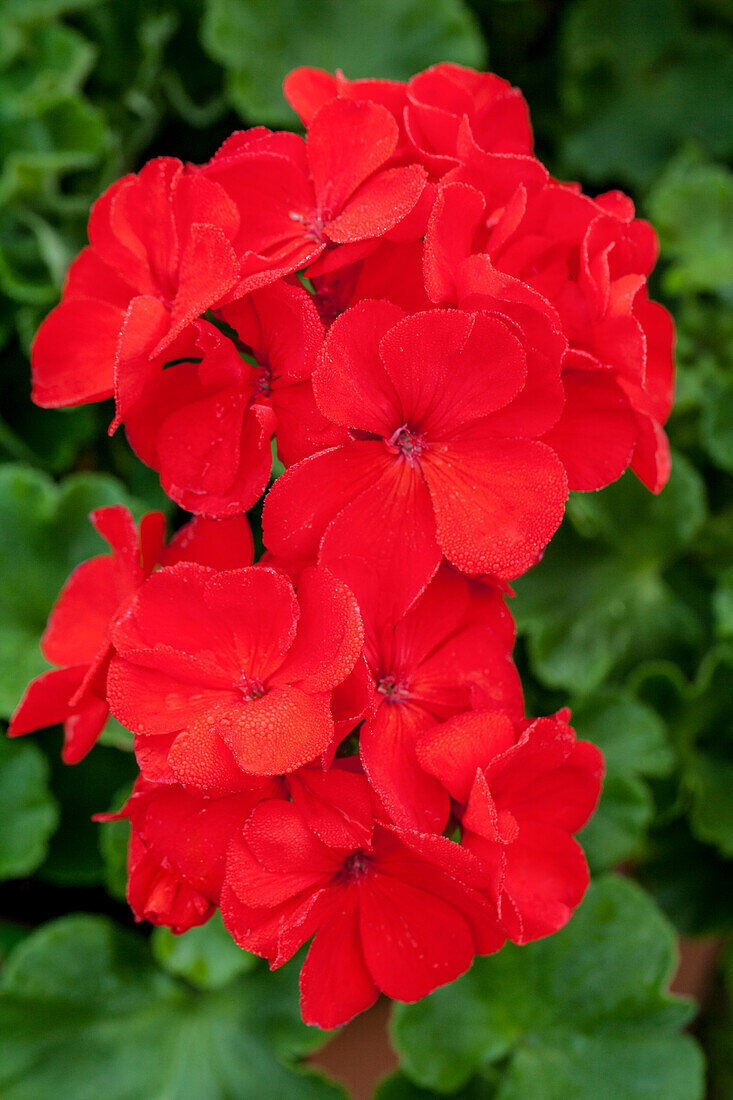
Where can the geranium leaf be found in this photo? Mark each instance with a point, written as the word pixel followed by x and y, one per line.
pixel 85 1012
pixel 639 81
pixel 206 956
pixel 689 880
pixel 28 811
pixel 691 207
pixel 698 714
pixel 634 743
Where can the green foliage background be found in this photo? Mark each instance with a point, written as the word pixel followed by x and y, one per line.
pixel 629 616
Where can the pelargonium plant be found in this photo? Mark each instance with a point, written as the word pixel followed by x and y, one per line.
pixel 440 340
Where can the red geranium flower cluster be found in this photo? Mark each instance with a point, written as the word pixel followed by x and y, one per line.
pixel 440 340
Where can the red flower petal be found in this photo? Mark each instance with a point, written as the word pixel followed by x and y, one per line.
pixel 146 322
pixel 546 877
pixel 335 983
pixel 413 941
pixel 548 777
pixel 46 700
pixel 277 733
pixel 379 205
pixel 450 368
pixel 278 838
pixel 198 758
pixel 307 89
pixel 391 525
pixel 596 433
pixel 74 353
pixel 351 385
pixel 455 750
pixel 347 141
pixel 497 501
pixel 78 626
pixel 305 499
pixel 208 269
pixel 335 805
pixel 387 747
pixel 220 543
pixel 329 635
pixel 82 728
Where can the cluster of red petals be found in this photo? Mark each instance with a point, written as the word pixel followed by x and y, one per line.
pixel 78 638
pixel 438 341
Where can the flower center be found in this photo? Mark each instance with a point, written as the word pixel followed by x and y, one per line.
pixel 263 379
pixel 356 866
pixel 407 443
pixel 251 689
pixel 312 224
pixel 393 689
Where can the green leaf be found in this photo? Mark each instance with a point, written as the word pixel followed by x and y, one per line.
pixel 640 83
pixel 49 438
pixel 31 11
pixel 691 207
pixel 698 713
pixel 599 596
pixel 633 740
pixel 399 1087
pixel 28 812
pixel 723 604
pixel 206 956
pixel 53 64
pixel 44 533
pixel 84 1013
pixel 582 1014
pixel 258 43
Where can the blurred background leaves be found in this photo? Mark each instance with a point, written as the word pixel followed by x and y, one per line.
pixel 629 616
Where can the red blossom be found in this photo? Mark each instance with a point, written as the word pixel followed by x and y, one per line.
pixel 430 468
pixel 77 637
pixel 227 675
pixel 450 108
pixel 307 729
pixel 329 196
pixel 160 255
pixel 521 790
pixel 589 259
pixel 389 910
pixel 178 846
pixel 451 651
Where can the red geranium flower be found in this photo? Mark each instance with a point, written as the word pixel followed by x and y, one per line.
pixel 160 256
pixel 435 463
pixel 221 674
pixel 451 651
pixel 207 425
pixel 589 259
pixel 520 791
pixel 390 910
pixel 330 194
pixel 449 106
pixel 77 637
